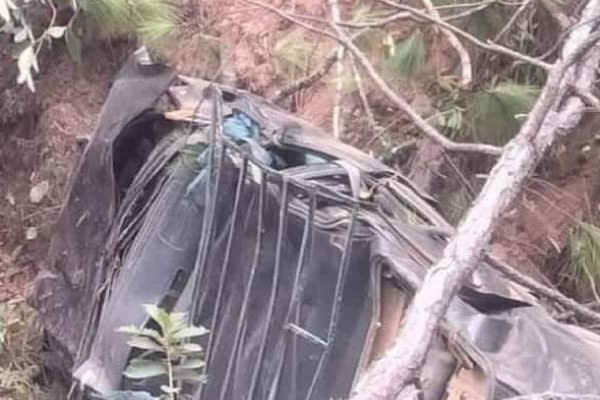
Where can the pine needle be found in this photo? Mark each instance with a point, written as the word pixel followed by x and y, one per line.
pixel 151 20
pixel 408 56
pixel 292 53
pixel 496 114
pixel 585 256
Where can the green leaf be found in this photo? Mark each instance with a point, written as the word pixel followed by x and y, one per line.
pixel 408 56
pixel 494 112
pixel 133 330
pixel 73 45
pixel 169 390
pixel 142 369
pixel 189 375
pixel 56 31
pixel 160 316
pixel 191 363
pixel 177 322
pixel 145 343
pixel 187 348
pixel 188 332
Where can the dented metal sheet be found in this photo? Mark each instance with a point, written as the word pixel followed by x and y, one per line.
pixel 298 252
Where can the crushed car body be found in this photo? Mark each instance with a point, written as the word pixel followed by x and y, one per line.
pixel 299 253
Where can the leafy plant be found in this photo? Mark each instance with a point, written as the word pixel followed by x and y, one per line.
pixel 407 56
pixel 15 23
pixel 167 351
pixel 292 54
pixel 584 249
pixel 150 20
pixel 496 114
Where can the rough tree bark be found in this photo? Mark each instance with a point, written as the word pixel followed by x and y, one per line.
pixel 557 111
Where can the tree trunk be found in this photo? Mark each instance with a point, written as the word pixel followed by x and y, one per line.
pixel 557 111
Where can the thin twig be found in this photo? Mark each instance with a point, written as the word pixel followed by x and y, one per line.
pixel 339 72
pixel 511 21
pixel 463 55
pixel 400 102
pixel 589 98
pixel 579 309
pixel 311 78
pixel 394 17
pixel 466 13
pixel 363 95
pixel 461 177
pixel 554 10
pixel 486 46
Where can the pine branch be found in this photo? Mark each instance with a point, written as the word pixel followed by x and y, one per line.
pixel 463 54
pixel 398 100
pixel 490 46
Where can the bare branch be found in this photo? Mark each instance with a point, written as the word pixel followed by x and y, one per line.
pixel 307 81
pixel 553 9
pixel 423 125
pixel 339 71
pixel 486 46
pixel 313 77
pixel 400 102
pixel 512 21
pixel 589 98
pixel 363 94
pixel 394 17
pixel 465 59
pixel 553 113
pixel 580 310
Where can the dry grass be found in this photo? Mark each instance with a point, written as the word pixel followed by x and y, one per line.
pixel 21 345
pixel 585 257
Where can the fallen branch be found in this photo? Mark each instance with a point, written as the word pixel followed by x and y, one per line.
pixel 363 95
pixel 589 98
pixel 555 12
pixel 339 72
pixel 511 21
pixel 554 112
pixel 307 81
pixel 394 17
pixel 490 46
pixel 402 104
pixel 578 309
pixel 463 55
pixel 313 77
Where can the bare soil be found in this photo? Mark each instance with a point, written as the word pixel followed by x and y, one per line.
pixel 38 146
pixel 535 233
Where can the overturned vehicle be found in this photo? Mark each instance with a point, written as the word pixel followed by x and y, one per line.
pixel 300 255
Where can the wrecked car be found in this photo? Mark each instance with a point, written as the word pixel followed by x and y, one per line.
pixel 299 253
